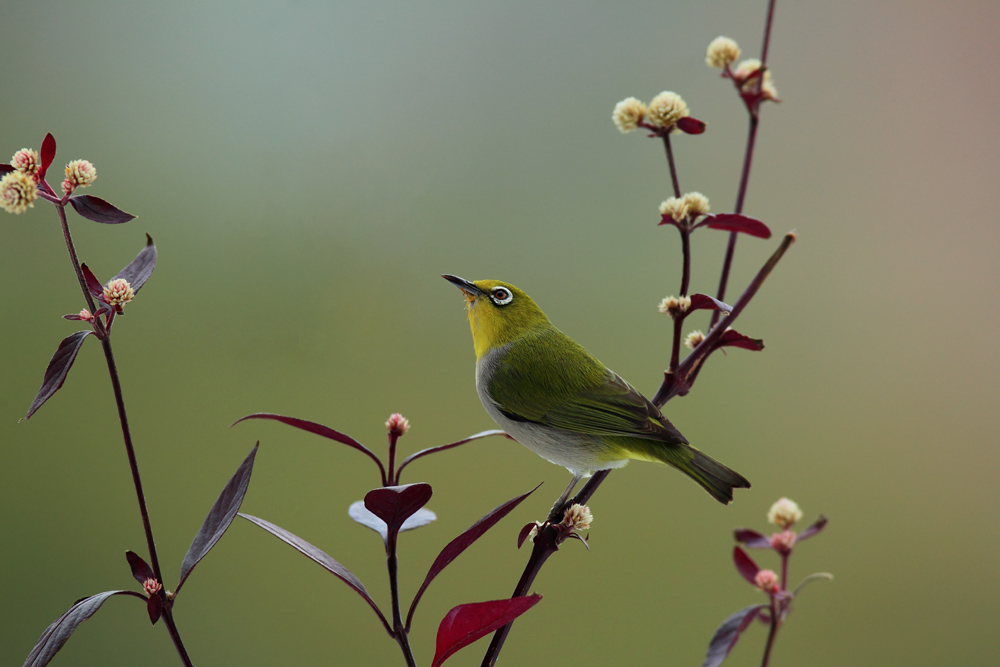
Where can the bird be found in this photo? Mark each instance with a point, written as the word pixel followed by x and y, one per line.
pixel 555 398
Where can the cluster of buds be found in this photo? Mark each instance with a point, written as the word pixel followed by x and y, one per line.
pixel 576 517
pixel 723 52
pixel 665 113
pixel 79 174
pixel 675 306
pixel 397 424
pixel 684 210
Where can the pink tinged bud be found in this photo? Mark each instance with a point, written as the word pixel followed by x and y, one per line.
pixel 784 513
pixel 151 586
pixel 81 173
pixel 578 517
pixel 26 160
pixel 397 424
pixel 767 581
pixel 783 542
pixel 118 292
pixel 68 186
pixel 85 315
pixel 18 192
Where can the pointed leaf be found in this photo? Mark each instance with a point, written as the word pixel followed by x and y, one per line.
pixel 318 556
pixel 60 630
pixel 727 634
pixel 734 222
pixel 525 531
pixel 99 210
pixel 154 607
pixel 706 302
pixel 813 529
pixel 48 154
pixel 58 368
pixel 690 125
pixel 745 565
pixel 440 448
pixel 752 539
pixel 219 517
pixel 668 219
pixel 318 429
pixel 94 285
pixel 141 268
pixel 466 623
pixel 5 169
pixel 455 548
pixel 733 338
pixel 140 570
pixel 360 513
pixel 811 578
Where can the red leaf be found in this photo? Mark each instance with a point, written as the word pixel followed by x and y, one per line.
pixel 525 531
pixel 690 125
pixel 5 169
pixel 362 515
pixel 813 529
pixel 745 565
pixel 667 219
pixel 440 448
pixel 727 634
pixel 48 155
pixel 317 429
pixel 98 210
pixel 141 268
pixel 93 284
pixel 734 222
pixel 220 517
pixel 455 548
pixel 56 635
pixel 733 338
pixel 58 369
pixel 140 570
pixel 394 504
pixel 466 623
pixel 752 538
pixel 706 302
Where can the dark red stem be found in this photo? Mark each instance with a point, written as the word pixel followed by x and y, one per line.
pixel 670 162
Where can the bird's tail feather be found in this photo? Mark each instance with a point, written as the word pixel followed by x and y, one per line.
pixel 714 477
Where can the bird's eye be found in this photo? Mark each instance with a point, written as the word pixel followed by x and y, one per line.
pixel 501 296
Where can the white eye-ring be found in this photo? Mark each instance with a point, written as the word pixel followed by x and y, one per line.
pixel 501 296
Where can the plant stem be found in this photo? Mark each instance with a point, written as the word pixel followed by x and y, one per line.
pixel 398 629
pixel 754 112
pixel 126 434
pixel 673 167
pixel 544 545
pixel 772 633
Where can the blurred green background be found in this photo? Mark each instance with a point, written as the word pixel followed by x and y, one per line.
pixel 309 169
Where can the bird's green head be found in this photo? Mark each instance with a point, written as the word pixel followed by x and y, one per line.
pixel 498 312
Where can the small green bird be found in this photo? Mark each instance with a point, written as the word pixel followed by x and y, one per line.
pixel 556 399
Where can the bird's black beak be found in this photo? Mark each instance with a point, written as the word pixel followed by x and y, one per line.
pixel 466 286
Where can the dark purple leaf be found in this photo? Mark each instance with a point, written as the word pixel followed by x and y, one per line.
pixel 455 548
pixel 141 268
pixel 734 222
pixel 59 632
pixel 813 529
pixel 727 634
pixel 668 219
pixel 733 338
pixel 317 429
pixel 48 155
pixel 318 556
pixel 466 623
pixel 752 539
pixel 219 517
pixel 745 565
pixel 58 368
pixel 395 504
pixel 140 570
pixel 690 125
pixel 99 210
pixel 360 513
pixel 441 448
pixel 5 169
pixel 706 302
pixel 93 284
pixel 154 607
pixel 525 531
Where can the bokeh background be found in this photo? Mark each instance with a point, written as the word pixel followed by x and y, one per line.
pixel 308 169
